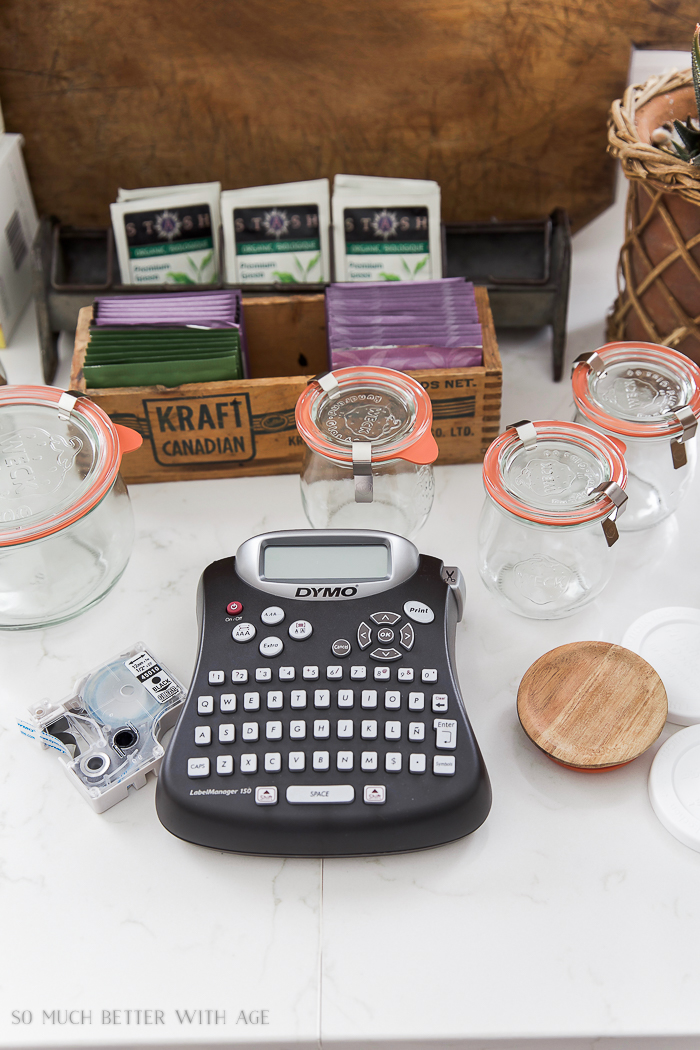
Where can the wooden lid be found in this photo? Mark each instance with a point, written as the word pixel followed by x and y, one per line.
pixel 592 705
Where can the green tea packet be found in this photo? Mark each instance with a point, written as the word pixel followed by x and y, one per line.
pixel 172 238
pixel 122 355
pixel 277 234
pixel 163 373
pixel 386 229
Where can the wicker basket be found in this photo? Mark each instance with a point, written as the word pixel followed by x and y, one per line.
pixel 659 270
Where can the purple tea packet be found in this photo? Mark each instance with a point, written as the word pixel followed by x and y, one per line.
pixel 407 358
pixel 412 324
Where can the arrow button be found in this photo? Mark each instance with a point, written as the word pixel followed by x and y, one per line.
pixel 385 654
pixel 385 617
pixel 364 635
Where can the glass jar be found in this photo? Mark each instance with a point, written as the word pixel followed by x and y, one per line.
pixel 66 524
pixel 369 451
pixel 553 494
pixel 647 396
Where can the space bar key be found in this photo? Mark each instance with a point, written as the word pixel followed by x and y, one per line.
pixel 299 794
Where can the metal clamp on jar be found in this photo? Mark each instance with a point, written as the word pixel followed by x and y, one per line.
pixel 649 397
pixel 547 532
pixel 369 450
pixel 66 524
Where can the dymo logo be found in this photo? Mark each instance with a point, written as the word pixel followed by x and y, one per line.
pixel 326 592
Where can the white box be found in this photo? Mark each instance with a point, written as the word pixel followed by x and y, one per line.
pixel 18 226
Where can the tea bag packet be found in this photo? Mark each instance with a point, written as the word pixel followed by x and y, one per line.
pixel 166 339
pixel 277 234
pixel 172 238
pixel 163 191
pixel 386 229
pixel 429 324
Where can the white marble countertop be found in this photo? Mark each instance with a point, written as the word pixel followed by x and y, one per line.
pixel 570 919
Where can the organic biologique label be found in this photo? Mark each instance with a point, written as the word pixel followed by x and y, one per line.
pixel 278 245
pixel 387 244
pixel 171 246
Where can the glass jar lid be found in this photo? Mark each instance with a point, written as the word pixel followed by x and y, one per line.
pixel 59 455
pixel 377 406
pixel 554 473
pixel 636 389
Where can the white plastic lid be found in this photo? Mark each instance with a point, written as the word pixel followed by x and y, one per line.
pixel 669 640
pixel 674 786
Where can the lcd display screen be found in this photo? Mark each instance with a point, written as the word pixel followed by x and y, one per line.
pixel 326 563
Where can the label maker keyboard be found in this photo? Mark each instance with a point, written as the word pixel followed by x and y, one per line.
pixel 324 716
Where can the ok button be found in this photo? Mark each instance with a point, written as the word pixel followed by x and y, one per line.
pixel 271 646
pixel 385 635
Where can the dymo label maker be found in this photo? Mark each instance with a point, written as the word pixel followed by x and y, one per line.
pixel 324 716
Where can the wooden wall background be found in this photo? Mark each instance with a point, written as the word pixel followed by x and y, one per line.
pixel 504 102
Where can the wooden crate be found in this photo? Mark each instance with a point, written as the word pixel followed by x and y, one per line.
pixel 242 427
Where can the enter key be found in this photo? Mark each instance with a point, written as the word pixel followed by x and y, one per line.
pixel 445 734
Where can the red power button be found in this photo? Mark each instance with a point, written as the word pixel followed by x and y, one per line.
pixel 234 608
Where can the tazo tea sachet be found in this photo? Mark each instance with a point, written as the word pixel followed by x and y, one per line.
pixel 386 229
pixel 170 239
pixel 277 234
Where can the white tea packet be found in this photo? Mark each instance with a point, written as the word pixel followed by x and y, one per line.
pixel 386 229
pixel 277 234
pixel 169 239
pixel 162 191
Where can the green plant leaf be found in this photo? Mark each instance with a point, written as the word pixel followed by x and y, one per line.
pixel 695 61
pixel 180 278
pixel 285 278
pixel 205 261
pixel 690 137
pixel 420 265
pixel 681 152
pixel 312 263
pixel 193 265
pixel 405 265
pixel 389 276
pixel 298 265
